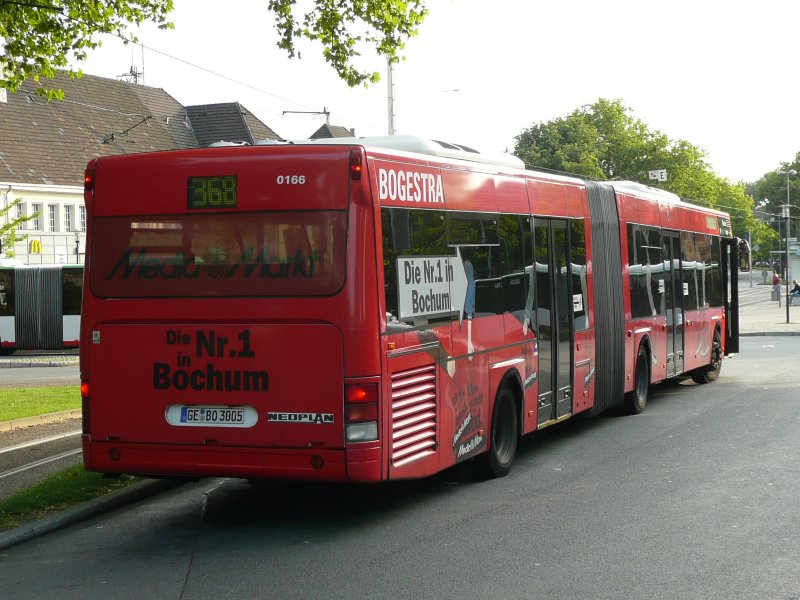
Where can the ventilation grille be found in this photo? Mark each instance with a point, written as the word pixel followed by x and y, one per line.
pixel 413 414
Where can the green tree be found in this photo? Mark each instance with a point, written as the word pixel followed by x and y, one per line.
pixel 770 193
pixel 39 37
pixel 772 187
pixel 344 26
pixel 9 232
pixel 604 140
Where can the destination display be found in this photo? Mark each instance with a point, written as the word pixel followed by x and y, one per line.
pixel 211 192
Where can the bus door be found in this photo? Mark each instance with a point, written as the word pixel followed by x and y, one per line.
pixel 673 296
pixel 554 319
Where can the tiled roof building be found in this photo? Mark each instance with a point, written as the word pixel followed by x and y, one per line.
pixel 45 146
pixel 331 131
pixel 238 124
pixel 50 142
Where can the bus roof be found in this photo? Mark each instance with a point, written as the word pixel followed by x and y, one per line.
pixel 416 144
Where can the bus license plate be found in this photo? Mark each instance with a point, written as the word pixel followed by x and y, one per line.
pixel 211 416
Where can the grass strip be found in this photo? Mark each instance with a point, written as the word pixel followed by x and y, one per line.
pixel 56 493
pixel 17 403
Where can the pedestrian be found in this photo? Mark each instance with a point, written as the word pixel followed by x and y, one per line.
pixel 795 291
pixel 776 287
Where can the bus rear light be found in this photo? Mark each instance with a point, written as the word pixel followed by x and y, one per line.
pixel 85 415
pixel 362 432
pixel 356 165
pixel 361 412
pixel 88 177
pixel 364 392
pixel 85 429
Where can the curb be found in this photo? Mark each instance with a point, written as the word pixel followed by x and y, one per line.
pixel 23 363
pixel 40 420
pixel 769 333
pixel 85 510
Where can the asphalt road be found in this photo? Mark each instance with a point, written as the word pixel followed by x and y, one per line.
pixel 39 376
pixel 29 454
pixel 695 498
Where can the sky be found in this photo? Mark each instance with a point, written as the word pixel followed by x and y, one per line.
pixel 719 74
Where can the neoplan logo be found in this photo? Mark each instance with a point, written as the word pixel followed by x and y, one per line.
pixel 307 418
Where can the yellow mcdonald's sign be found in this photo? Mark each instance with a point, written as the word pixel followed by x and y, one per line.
pixel 36 247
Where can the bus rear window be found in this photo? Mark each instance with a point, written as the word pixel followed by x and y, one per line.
pixel 233 254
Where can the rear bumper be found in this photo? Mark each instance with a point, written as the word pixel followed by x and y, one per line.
pixel 220 461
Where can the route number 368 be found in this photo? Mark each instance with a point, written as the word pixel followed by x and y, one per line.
pixel 291 179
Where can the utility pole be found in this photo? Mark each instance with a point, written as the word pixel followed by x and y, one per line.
pixel 390 82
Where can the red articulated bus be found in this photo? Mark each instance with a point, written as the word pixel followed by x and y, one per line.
pixel 372 309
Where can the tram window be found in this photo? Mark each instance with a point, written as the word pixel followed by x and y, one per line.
pixel 72 284
pixel 7 292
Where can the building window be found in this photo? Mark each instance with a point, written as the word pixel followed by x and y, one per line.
pixel 37 222
pixel 82 213
pixel 68 218
pixel 53 217
pixel 20 215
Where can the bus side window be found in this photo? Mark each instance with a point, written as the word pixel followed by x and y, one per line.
pixel 691 272
pixel 713 273
pixel 515 245
pixel 476 236
pixel 408 232
pixel 577 252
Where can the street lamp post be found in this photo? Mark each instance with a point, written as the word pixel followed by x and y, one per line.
pixel 786 208
pixel 785 213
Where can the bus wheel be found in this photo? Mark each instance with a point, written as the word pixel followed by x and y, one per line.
pixel 711 372
pixel 502 440
pixel 636 399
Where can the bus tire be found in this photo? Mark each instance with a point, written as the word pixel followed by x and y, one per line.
pixel 636 399
pixel 710 372
pixel 497 461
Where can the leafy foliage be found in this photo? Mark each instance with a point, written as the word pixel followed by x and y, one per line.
pixel 341 27
pixel 771 192
pixel 604 141
pixel 40 36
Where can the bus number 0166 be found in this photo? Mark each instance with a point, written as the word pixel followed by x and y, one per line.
pixel 291 179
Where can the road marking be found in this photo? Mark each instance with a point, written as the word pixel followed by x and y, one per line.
pixel 46 440
pixel 40 463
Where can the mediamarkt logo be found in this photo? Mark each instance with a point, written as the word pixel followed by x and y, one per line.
pixel 410 186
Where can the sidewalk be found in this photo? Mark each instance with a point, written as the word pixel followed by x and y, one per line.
pixel 758 315
pixel 22 360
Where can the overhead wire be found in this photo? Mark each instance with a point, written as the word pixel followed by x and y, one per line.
pixel 129 40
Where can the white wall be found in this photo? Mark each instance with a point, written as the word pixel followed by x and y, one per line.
pixel 58 242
